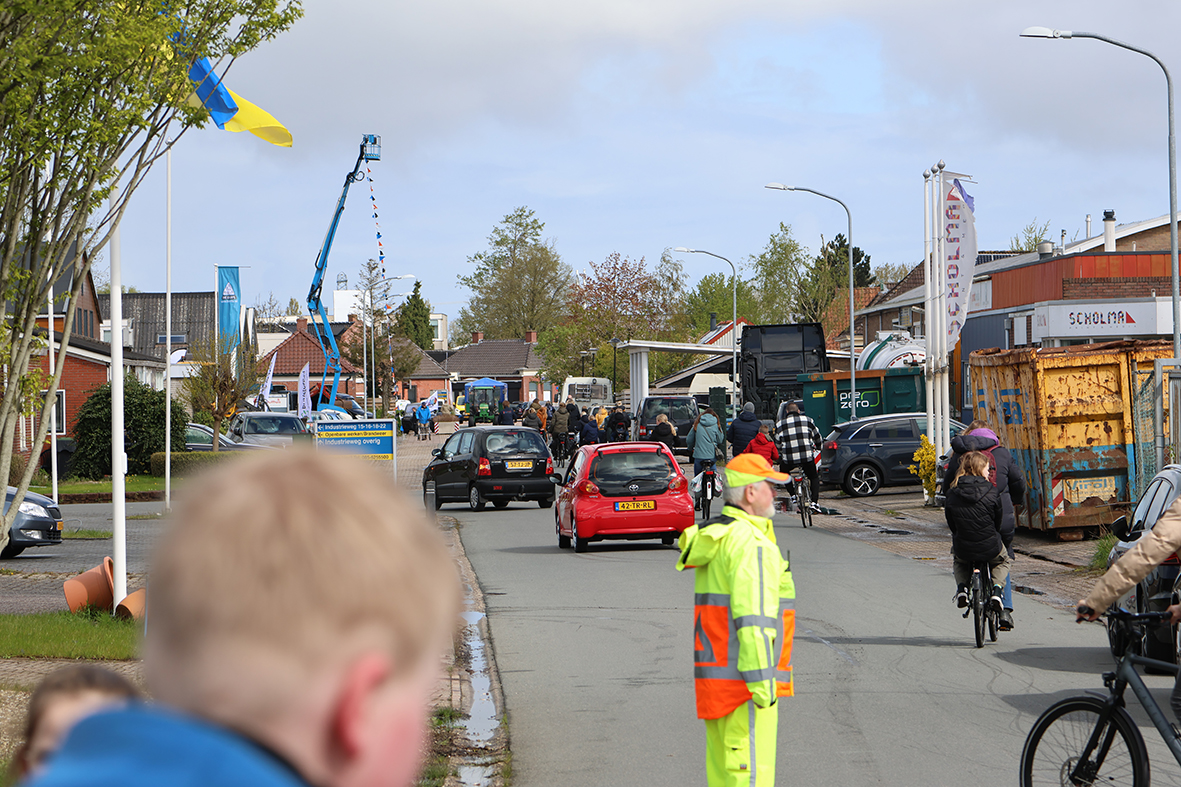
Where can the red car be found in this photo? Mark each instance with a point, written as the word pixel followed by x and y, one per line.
pixel 622 490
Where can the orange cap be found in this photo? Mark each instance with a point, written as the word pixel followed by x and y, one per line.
pixel 747 469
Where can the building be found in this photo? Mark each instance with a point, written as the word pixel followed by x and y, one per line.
pixel 301 347
pixel 511 361
pixel 439 327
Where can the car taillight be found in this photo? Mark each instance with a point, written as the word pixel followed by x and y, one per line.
pixel 677 484
pixel 831 445
pixel 643 430
pixel 484 467
pixel 589 488
pixel 549 465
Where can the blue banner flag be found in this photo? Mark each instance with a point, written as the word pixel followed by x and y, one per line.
pixel 228 305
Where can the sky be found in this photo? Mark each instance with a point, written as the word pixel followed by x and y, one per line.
pixel 635 126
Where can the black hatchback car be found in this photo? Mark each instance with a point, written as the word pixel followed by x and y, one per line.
pixel 497 464
pixel 869 453
pixel 38 523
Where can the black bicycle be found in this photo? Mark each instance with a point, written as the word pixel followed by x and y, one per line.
pixel 982 612
pixel 707 486
pixel 1092 740
pixel 801 496
pixel 561 444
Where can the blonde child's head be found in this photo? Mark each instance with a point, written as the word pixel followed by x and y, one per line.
pixel 972 463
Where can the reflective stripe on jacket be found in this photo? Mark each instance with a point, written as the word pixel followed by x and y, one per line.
pixel 744 612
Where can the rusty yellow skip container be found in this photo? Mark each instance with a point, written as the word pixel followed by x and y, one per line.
pixel 1066 414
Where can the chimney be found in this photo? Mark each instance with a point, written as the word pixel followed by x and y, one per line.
pixel 1045 249
pixel 531 337
pixel 1088 225
pixel 477 337
pixel 1109 230
pixel 301 325
pixel 354 318
pixel 713 321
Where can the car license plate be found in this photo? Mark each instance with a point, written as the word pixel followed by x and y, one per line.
pixel 636 505
pixel 519 465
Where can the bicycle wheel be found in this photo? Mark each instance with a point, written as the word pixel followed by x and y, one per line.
pixel 993 623
pixel 706 498
pixel 1053 753
pixel 805 496
pixel 978 603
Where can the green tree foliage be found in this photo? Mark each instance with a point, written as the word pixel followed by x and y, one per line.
pixel 835 254
pixel 776 273
pixel 143 421
pixel 414 319
pixel 715 293
pixel 518 284
pixel 293 308
pixel 1030 236
pixel 91 95
pixel 888 274
pixel 221 381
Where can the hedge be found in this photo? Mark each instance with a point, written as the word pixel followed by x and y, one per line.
pixel 185 462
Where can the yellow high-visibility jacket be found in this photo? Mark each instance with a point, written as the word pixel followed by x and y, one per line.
pixel 744 612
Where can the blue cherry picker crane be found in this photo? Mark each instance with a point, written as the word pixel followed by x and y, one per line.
pixel 370 151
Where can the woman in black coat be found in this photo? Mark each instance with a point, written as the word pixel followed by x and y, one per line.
pixel 974 515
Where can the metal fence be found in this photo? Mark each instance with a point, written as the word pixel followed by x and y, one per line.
pixel 1144 430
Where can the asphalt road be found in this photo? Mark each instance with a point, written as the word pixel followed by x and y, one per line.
pixel 76 555
pixel 595 658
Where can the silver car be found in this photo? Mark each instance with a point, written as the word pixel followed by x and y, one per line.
pixel 271 429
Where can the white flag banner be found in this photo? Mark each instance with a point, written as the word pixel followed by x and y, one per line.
pixel 959 252
pixel 305 393
pixel 266 387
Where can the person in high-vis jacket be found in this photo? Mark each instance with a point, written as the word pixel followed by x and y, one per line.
pixel 743 624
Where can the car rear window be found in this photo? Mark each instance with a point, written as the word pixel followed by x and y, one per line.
pixel 525 441
pixel 275 425
pixel 616 473
pixel 677 409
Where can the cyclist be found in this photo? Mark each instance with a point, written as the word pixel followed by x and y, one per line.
pixel 1154 548
pixel 705 442
pixel 559 427
pixel 617 425
pixel 974 516
pixel 798 439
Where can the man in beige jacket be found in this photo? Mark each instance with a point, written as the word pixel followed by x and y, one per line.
pixel 1152 550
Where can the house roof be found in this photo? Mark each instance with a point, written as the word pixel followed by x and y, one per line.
pixel 836 316
pixel 494 357
pixel 102 348
pixel 711 337
pixel 296 350
pixel 192 314
pixel 428 368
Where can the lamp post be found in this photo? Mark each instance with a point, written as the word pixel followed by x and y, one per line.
pixel 735 406
pixel 614 365
pixel 852 305
pixel 583 353
pixel 1046 32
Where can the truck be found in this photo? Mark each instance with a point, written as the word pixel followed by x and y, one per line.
pixel 587 391
pixel 771 360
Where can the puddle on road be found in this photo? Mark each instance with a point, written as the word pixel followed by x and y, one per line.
pixel 481 722
pixel 891 532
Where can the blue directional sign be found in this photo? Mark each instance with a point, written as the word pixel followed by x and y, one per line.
pixel 371 439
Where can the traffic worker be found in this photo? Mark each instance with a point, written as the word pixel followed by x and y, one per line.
pixel 744 596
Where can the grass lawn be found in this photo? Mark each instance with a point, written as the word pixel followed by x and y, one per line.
pixel 84 532
pixel 135 483
pixel 64 635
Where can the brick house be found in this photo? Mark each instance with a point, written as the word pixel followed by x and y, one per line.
pixel 511 361
pixel 428 377
pixel 301 347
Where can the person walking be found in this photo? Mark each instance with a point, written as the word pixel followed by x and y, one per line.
pixel 559 427
pixel 798 440
pixel 1006 474
pixel 743 429
pixel 706 443
pixel 589 434
pixel 506 416
pixel 531 419
pixel 423 416
pixel 744 626
pixel 542 415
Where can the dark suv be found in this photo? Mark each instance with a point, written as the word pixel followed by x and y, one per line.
pixel 681 411
pixel 864 455
pixel 492 463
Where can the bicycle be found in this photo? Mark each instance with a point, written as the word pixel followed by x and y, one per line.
pixel 801 496
pixel 561 447
pixel 707 486
pixel 979 594
pixel 1090 740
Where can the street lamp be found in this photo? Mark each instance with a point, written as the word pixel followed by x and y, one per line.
pixel 733 323
pixel 852 324
pixel 614 365
pixel 1045 32
pixel 583 353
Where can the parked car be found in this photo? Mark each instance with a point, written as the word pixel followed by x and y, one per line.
pixel 630 490
pixel 519 410
pixel 1161 587
pixel 268 429
pixel 38 523
pixel 864 455
pixel 497 464
pixel 682 412
pixel 326 415
pixel 199 437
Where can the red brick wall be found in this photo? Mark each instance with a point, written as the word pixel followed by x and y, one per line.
pixel 1116 287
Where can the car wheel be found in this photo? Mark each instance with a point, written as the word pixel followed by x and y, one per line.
pixel 438 502
pixel 579 543
pixel 563 541
pixel 475 499
pixel 863 480
pixel 500 503
pixel 12 550
pixel 546 503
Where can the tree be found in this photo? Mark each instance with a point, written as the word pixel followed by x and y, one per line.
pixel 888 274
pixel 293 308
pixel 221 381
pixel 405 356
pixel 835 253
pixel 143 423
pixel 714 293
pixel 414 319
pixel 776 271
pixel 91 95
pixel 1030 236
pixel 519 283
pixel 267 311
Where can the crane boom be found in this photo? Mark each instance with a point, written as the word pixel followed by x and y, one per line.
pixel 370 151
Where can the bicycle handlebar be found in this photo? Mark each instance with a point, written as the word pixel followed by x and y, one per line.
pixel 1128 617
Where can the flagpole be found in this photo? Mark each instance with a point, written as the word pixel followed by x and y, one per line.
pixel 168 336
pixel 928 312
pixel 118 457
pixel 53 412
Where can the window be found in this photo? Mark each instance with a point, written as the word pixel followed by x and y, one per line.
pixel 465 444
pixel 59 411
pixel 451 447
pixel 177 338
pixel 894 430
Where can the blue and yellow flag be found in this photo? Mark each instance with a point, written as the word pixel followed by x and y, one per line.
pixel 230 111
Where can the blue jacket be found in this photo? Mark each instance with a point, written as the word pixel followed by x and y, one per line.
pixel 742 430
pixel 589 434
pixel 703 439
pixel 423 414
pixel 148 746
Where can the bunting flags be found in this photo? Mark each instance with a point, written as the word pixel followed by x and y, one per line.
pixel 377 223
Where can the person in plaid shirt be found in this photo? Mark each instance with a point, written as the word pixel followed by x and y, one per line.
pixel 797 438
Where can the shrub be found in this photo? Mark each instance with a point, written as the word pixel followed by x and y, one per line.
pixel 143 426
pixel 17 469
pixel 187 462
pixel 204 418
pixel 925 470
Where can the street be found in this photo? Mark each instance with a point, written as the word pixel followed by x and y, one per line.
pixel 595 657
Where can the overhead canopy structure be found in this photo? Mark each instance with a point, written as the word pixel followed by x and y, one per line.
pixel 637 353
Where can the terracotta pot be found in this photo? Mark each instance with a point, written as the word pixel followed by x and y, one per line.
pixel 95 587
pixel 133 605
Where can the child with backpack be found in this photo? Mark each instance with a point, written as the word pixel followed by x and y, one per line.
pixel 974 515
